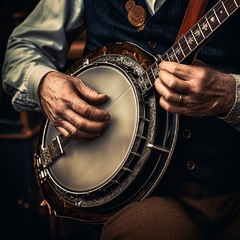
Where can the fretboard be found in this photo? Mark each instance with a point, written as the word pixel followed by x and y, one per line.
pixel 193 39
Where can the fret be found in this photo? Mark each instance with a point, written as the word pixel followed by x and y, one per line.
pixel 155 65
pixel 155 69
pixel 149 80
pixel 184 48
pixel 231 6
pixel 194 37
pixel 143 83
pixel 235 3
pixel 225 8
pixel 214 21
pixel 199 27
pixel 216 16
pixel 179 52
pixel 206 30
pixel 168 57
pixel 145 87
pixel 155 76
pixel 172 56
pixel 152 78
pixel 192 40
pixel 222 15
pixel 186 40
pixel 207 21
pixel 180 47
pixel 160 59
pixel 173 50
pixel 191 43
pixel 198 35
pixel 151 74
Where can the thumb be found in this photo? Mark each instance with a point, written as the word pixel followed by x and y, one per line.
pixel 88 93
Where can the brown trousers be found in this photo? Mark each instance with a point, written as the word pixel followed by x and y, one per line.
pixel 193 213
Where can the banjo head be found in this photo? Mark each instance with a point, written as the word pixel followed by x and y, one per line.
pixel 92 179
pixel 85 166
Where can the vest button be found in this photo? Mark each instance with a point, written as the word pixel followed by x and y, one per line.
pixel 187 133
pixel 191 165
pixel 152 44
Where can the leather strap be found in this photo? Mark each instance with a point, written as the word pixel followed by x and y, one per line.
pixel 195 10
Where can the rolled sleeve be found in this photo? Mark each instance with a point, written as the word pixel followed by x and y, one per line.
pixel 32 96
pixel 233 117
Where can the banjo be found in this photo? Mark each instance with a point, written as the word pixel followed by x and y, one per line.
pixel 89 180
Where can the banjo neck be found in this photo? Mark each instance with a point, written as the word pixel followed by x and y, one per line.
pixel 193 39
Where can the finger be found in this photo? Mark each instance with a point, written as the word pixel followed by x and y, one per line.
pixel 71 131
pixel 176 76
pixel 77 134
pixel 172 82
pixel 88 111
pixel 180 100
pixel 166 92
pixel 179 70
pixel 177 107
pixel 88 93
pixel 83 123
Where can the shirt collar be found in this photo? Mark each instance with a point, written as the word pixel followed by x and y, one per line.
pixel 154 5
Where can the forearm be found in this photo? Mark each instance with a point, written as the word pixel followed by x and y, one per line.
pixel 35 49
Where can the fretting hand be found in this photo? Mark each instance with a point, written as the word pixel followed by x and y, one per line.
pixel 194 90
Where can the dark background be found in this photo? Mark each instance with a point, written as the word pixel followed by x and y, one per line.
pixel 21 215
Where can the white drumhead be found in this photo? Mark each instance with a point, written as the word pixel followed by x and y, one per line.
pixel 87 166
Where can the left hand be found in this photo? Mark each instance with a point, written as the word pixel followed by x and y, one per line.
pixel 195 90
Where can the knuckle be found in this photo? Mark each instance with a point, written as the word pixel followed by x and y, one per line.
pixel 56 122
pixel 92 91
pixel 59 109
pixel 203 74
pixel 172 82
pixel 67 135
pixel 73 131
pixel 168 108
pixel 80 125
pixel 175 68
pixel 84 109
pixel 168 96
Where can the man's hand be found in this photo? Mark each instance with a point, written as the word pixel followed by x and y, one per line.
pixel 67 102
pixel 195 90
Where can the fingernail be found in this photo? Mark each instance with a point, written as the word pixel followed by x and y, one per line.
pixel 107 118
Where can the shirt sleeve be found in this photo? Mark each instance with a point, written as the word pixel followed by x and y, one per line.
pixel 37 46
pixel 233 117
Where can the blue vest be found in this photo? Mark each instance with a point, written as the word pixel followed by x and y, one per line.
pixel 214 146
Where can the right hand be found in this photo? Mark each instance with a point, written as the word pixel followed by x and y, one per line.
pixel 68 103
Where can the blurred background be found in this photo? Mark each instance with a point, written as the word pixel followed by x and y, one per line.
pixel 20 195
